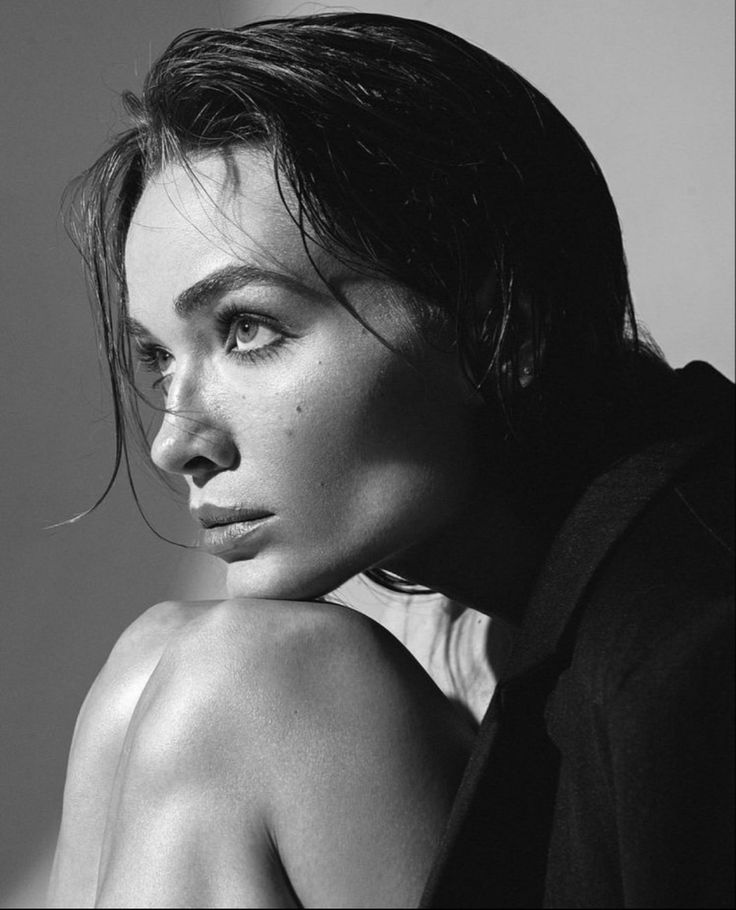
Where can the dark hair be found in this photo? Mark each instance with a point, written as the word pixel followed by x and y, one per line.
pixel 409 152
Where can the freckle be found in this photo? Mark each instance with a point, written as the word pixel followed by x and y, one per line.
pixel 298 409
pixel 289 433
pixel 322 484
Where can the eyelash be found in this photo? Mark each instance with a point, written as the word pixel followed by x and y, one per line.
pixel 148 355
pixel 229 317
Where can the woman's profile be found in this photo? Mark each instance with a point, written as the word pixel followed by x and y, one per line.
pixel 377 281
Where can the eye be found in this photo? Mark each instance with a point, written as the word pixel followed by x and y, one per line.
pixel 248 334
pixel 154 359
pixel 162 360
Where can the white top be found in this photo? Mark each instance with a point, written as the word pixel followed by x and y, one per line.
pixel 450 641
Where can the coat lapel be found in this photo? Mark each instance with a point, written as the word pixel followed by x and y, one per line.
pixel 493 851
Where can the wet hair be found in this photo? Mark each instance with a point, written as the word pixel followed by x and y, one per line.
pixel 413 154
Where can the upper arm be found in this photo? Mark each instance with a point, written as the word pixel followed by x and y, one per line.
pixel 283 748
pixel 367 794
pixel 97 741
pixel 671 738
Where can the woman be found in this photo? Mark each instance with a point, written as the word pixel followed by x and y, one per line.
pixel 379 281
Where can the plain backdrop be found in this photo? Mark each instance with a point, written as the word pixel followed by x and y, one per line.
pixel 648 84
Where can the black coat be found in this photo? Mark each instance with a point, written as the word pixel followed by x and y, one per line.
pixel 603 771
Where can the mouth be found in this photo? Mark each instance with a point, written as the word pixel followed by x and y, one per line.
pixel 230 533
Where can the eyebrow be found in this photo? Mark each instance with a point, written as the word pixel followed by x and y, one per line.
pixel 204 293
pixel 232 278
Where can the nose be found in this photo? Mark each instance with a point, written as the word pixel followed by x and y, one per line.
pixel 188 444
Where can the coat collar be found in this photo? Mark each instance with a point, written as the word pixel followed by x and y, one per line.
pixel 609 506
pixel 599 520
pixel 601 517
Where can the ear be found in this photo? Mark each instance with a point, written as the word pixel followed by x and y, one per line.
pixel 484 307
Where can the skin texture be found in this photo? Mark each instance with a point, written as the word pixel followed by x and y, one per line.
pixel 269 750
pixel 96 748
pixel 358 451
pixel 257 754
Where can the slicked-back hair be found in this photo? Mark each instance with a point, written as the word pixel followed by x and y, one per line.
pixel 414 154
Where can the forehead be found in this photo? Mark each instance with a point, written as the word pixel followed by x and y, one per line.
pixel 196 221
pixel 193 220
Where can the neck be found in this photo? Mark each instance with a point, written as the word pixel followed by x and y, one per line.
pixel 490 557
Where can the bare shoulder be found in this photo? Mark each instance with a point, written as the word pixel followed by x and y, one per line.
pixel 118 686
pixel 151 631
pixel 97 742
pixel 109 705
pixel 319 652
pixel 320 729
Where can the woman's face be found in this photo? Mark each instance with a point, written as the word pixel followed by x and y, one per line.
pixel 311 450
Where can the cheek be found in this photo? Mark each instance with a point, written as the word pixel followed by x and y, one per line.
pixel 350 435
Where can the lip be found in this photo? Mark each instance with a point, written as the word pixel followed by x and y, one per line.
pixel 229 533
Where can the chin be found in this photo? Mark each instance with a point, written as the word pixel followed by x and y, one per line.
pixel 247 579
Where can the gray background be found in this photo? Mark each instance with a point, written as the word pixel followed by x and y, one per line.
pixel 648 84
